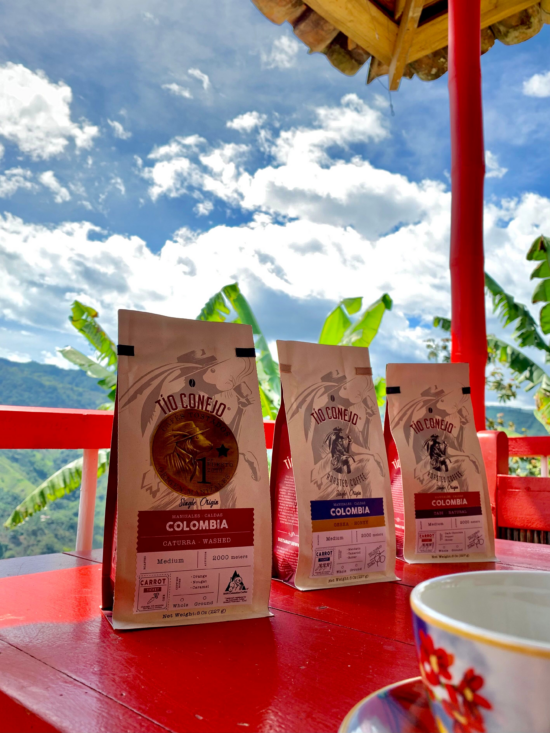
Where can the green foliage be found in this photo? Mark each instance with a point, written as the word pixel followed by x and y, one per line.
pixel 526 331
pixel 438 349
pixel 54 528
pixel 380 389
pixel 45 385
pixel 443 323
pixel 540 252
pixel 218 308
pixel 104 366
pixel 84 319
pixel 339 329
pixel 506 389
pixel 525 372
pixel 523 420
pixel 63 481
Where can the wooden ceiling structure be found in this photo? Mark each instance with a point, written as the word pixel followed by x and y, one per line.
pixel 399 37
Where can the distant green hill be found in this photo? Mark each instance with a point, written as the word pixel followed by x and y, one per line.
pixel 44 385
pixel 522 419
pixel 54 529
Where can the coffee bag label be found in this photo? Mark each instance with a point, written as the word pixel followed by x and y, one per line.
pixel 333 520
pixel 349 536
pixel 191 480
pixel 446 503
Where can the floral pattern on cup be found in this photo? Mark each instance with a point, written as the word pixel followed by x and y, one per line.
pixel 462 700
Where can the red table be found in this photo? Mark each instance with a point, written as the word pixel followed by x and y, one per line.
pixel 62 667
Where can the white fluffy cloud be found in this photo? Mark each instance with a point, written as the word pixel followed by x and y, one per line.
pixel 119 131
pixel 14 179
pixel 320 223
pixel 202 77
pixel 494 169
pixel 538 85
pixel 311 175
pixel 35 114
pixel 177 90
pixel 304 260
pixel 247 122
pixel 60 193
pixel 282 55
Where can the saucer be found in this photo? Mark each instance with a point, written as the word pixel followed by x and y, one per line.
pixel 399 708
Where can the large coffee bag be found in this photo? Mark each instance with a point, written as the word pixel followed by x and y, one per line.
pixel 330 489
pixel 188 480
pixel 439 479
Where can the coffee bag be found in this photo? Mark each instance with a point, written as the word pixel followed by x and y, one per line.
pixel 439 479
pixel 188 480
pixel 330 489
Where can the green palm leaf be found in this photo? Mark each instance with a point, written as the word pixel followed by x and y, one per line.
pixel 268 371
pixel 339 329
pixel 62 482
pixel 526 329
pixel 528 371
pixel 362 332
pixel 217 310
pixel 337 323
pixel 83 318
pixel 106 377
pixel 380 389
pixel 443 323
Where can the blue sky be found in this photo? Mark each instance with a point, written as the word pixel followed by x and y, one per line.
pixel 153 152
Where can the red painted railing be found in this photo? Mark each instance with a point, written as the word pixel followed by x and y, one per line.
pixel 41 428
pixel 521 504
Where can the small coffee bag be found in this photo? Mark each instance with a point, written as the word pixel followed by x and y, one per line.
pixel 188 526
pixel 439 480
pixel 330 488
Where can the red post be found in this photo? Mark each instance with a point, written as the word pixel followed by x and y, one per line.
pixel 469 336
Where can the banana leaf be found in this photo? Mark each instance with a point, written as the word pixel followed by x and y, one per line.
pixel 526 329
pixel 380 389
pixel 83 318
pixel 267 366
pixel 338 322
pixel 365 329
pixel 540 249
pixel 217 309
pixel 528 371
pixel 62 482
pixel 443 323
pixel 106 377
pixel 542 403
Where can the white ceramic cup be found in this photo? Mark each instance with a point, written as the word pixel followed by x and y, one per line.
pixel 483 643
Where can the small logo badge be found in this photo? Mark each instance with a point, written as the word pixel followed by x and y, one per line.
pixel 236 584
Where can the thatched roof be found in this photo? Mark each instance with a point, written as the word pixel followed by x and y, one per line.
pixel 400 37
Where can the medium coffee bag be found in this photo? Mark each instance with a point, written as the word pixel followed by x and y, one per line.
pixel 188 477
pixel 444 496
pixel 330 488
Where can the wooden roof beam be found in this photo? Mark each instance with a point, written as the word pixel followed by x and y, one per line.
pixel 399 8
pixel 405 34
pixel 433 35
pixel 363 22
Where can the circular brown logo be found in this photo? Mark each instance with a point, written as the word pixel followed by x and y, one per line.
pixel 194 452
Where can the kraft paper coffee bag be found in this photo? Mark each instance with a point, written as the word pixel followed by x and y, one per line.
pixel 330 488
pixel 192 538
pixel 445 500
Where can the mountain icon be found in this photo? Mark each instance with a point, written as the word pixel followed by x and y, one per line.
pixel 236 584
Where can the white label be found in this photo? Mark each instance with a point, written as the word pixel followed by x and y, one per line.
pixel 194 579
pixel 348 552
